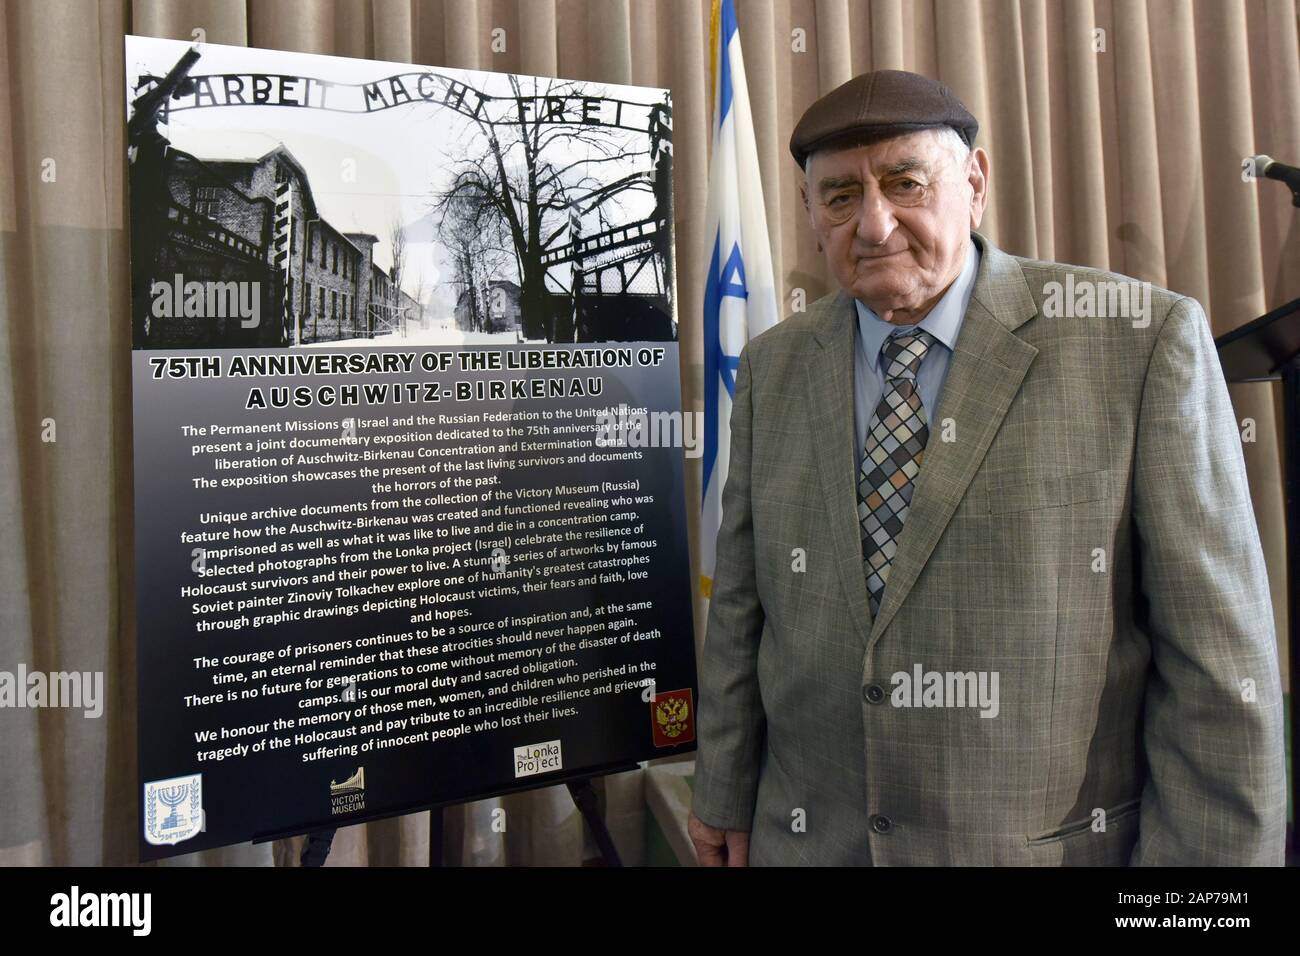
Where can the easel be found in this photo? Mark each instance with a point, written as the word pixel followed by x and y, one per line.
pixel 316 847
pixel 1268 349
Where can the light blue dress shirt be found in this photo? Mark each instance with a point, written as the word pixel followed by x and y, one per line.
pixel 943 322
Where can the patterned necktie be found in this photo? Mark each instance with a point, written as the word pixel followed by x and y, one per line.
pixel 891 458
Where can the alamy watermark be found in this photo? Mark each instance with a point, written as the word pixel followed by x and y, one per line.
pixel 625 427
pixel 1096 299
pixel 922 688
pixel 208 300
pixel 76 690
pixel 75 908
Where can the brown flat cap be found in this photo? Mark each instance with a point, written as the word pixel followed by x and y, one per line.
pixel 877 106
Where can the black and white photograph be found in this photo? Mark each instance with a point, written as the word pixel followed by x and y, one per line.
pixel 297 200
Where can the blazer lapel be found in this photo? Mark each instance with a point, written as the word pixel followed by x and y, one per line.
pixel 985 372
pixel 830 398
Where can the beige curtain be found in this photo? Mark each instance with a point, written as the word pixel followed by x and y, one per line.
pixel 1116 130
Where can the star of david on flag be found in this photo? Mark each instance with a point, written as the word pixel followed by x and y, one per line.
pixel 739 293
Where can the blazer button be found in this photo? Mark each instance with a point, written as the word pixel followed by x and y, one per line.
pixel 881 823
pixel 874 693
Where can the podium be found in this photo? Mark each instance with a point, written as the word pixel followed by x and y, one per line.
pixel 1268 349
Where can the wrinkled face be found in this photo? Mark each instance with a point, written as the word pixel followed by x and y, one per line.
pixel 894 218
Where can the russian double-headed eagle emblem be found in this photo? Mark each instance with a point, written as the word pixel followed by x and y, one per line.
pixel 673 718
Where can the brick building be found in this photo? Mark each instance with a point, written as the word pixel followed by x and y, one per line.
pixel 495 309
pixel 320 284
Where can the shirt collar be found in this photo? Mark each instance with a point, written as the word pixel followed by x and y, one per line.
pixel 943 321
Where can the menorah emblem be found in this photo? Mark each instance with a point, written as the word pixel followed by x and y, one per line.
pixel 173 797
pixel 165 797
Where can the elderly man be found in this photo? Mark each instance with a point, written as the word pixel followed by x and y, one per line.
pixel 989 588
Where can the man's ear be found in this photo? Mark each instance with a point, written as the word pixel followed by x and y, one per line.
pixel 978 177
pixel 803 194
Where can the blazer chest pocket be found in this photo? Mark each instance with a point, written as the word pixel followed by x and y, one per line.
pixel 1118 815
pixel 1011 496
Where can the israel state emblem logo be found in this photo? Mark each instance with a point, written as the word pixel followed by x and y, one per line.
pixel 173 809
pixel 672 718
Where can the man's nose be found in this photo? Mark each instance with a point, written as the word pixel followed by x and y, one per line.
pixel 876 222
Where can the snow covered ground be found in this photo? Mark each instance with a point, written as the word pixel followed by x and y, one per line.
pixel 424 337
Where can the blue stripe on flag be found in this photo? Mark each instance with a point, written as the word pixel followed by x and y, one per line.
pixel 727 31
pixel 722 281
pixel 712 357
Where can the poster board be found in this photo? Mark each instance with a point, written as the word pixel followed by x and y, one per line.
pixel 409 508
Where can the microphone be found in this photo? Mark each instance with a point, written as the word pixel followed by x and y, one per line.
pixel 1270 168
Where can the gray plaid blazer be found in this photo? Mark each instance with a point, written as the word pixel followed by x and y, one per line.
pixel 1081 527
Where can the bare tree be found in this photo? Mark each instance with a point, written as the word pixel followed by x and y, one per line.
pixel 472 237
pixel 532 175
pixel 397 240
pixel 421 291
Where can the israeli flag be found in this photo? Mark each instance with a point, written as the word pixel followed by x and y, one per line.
pixel 739 294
